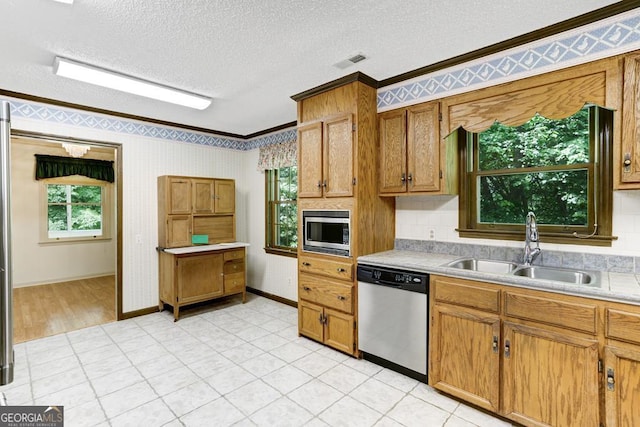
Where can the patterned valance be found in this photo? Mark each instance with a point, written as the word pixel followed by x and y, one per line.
pixel 56 166
pixel 277 156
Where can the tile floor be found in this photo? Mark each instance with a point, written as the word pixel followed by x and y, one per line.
pixel 230 364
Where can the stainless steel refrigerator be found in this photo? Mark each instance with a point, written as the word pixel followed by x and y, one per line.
pixel 6 282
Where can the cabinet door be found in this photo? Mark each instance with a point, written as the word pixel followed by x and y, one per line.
pixel 199 277
pixel 203 195
pixel 464 355
pixel 225 196
pixel 423 148
pixel 338 157
pixel 622 386
pixel 630 153
pixel 339 330
pixel 310 320
pixel 310 160
pixel 178 231
pixel 393 151
pixel 179 197
pixel 550 378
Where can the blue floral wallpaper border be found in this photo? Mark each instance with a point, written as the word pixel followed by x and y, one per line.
pixel 608 37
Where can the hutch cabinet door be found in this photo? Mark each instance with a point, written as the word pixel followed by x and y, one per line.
pixel 310 160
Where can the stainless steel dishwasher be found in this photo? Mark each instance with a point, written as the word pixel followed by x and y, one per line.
pixel 393 315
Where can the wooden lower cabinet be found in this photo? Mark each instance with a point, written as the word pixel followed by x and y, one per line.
pixel 200 276
pixel 622 385
pixel 549 378
pixel 530 356
pixel 328 326
pixel 466 341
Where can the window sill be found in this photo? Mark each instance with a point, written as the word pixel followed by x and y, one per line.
pixel 282 252
pixel 544 237
pixel 72 240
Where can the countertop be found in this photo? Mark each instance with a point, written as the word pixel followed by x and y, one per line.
pixel 618 287
pixel 204 248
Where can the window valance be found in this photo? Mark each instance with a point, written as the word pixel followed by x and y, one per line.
pixel 555 100
pixel 277 156
pixel 56 166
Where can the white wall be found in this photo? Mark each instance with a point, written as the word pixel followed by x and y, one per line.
pixel 417 215
pixel 58 261
pixel 144 159
pixel 274 274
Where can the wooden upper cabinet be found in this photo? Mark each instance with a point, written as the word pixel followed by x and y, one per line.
pixel 225 196
pixel 179 196
pixel 423 148
pixel 325 158
pixel 203 195
pixel 337 162
pixel 630 153
pixel 393 151
pixel 310 160
pixel 410 150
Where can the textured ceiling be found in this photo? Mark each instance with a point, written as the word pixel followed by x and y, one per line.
pixel 250 56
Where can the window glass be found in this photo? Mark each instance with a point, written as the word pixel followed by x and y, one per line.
pixel 74 210
pixel 282 209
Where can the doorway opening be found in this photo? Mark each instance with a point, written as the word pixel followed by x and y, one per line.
pixel 66 239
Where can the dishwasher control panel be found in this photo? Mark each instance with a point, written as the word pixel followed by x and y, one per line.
pixel 410 281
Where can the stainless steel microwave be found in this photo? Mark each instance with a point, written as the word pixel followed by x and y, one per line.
pixel 327 231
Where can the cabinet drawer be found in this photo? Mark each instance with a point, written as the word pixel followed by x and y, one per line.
pixel 461 292
pixel 326 292
pixel 233 282
pixel 336 269
pixel 234 267
pixel 552 311
pixel 623 325
pixel 237 254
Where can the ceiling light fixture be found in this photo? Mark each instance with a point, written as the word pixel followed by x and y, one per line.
pixel 75 150
pixel 113 80
pixel 64 1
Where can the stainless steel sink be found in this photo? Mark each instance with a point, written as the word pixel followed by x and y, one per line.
pixel 483 265
pixel 557 274
pixel 566 275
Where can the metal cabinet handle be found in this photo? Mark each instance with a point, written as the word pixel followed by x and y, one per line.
pixel 403 178
pixel 342 297
pixel 494 345
pixel 627 161
pixel 324 183
pixel 306 264
pixel 306 288
pixel 319 184
pixel 507 349
pixel 611 381
pixel 341 270
pixel 410 178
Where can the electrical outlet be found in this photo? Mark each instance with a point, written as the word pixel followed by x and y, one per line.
pixel 432 234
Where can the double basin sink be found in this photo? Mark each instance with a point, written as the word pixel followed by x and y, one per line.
pixel 557 274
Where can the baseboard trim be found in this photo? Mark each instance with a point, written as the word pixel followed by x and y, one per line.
pixel 141 312
pixel 273 297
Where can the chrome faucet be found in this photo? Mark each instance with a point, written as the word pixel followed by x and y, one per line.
pixel 531 236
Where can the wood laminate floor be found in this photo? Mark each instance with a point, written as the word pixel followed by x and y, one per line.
pixel 44 310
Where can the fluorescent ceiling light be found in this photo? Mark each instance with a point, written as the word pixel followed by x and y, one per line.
pixel 64 1
pixel 110 79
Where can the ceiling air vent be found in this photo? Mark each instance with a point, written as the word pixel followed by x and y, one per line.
pixel 350 61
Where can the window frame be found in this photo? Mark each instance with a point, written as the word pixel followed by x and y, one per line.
pixel 107 207
pixel 271 202
pixel 600 193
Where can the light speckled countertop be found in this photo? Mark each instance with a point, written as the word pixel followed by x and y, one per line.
pixel 205 248
pixel 619 287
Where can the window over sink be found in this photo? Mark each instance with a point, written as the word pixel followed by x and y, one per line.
pixel 560 168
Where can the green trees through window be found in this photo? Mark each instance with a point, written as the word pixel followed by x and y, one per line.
pixel 282 209
pixel 74 210
pixel 541 166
